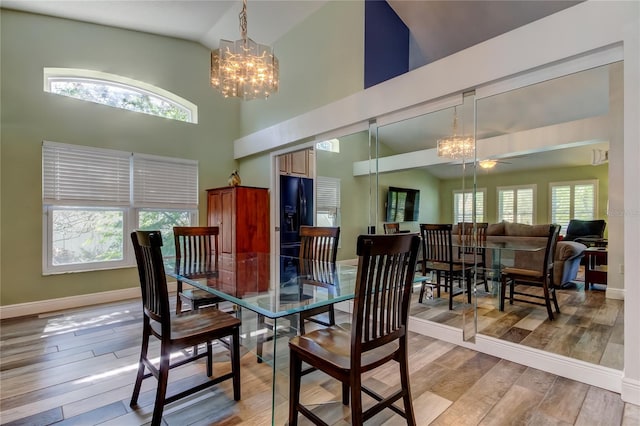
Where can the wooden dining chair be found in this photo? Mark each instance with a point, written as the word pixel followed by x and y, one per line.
pixel 437 256
pixel 177 331
pixel 196 255
pixel 318 244
pixel 472 241
pixel 523 282
pixel 377 333
pixel 391 228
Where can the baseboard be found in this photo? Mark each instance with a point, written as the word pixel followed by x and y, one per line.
pixel 615 293
pixel 631 391
pixel 52 305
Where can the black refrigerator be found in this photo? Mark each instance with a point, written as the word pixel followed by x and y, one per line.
pixel 296 209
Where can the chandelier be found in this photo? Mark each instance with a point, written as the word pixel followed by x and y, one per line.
pixel 243 68
pixel 456 146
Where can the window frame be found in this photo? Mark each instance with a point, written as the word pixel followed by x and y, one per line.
pixel 130 219
pixel 113 80
pixel 516 188
pixel 464 192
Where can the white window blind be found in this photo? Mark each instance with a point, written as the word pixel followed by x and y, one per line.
pixel 463 206
pixel 516 204
pixel 74 175
pixel 164 182
pixel 328 194
pixel 573 200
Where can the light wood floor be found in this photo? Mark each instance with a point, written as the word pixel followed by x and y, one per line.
pixel 78 367
pixel 589 327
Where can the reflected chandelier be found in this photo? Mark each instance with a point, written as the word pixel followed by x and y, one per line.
pixel 455 146
pixel 244 69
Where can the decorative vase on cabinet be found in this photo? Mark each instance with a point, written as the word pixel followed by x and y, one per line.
pixel 242 214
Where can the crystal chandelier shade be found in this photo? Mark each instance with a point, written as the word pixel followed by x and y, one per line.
pixel 456 147
pixel 243 68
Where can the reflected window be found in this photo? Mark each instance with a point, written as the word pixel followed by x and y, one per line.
pixel 331 145
pixel 328 201
pixel 463 206
pixel 517 204
pixel 573 200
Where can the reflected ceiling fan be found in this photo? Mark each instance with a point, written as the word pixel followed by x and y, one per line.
pixel 490 163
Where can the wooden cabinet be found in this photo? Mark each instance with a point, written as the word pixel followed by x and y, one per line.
pixel 242 214
pixel 298 163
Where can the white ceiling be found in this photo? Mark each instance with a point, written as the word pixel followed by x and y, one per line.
pixel 438 28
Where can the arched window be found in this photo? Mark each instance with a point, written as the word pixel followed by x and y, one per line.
pixel 119 92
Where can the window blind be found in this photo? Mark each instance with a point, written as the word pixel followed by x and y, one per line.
pixel 164 182
pixel 328 193
pixel 463 206
pixel 573 200
pixel 73 175
pixel 516 204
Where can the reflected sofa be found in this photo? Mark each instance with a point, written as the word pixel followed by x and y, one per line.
pixel 567 256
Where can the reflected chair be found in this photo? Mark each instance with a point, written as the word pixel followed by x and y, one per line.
pixel 472 241
pixel 437 256
pixel 176 332
pixel 318 246
pixel 196 254
pixel 521 281
pixel 391 228
pixel 377 333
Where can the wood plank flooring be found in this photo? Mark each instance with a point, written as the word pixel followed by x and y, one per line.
pixel 77 367
pixel 590 327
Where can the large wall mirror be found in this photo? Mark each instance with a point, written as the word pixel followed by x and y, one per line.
pixel 555 135
pixel 540 142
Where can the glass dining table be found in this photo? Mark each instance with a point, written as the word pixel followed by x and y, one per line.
pixel 277 288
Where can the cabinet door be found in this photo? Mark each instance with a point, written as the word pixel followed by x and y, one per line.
pixel 299 163
pixel 220 205
pixel 227 212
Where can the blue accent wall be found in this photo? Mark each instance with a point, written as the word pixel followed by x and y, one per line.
pixel 386 43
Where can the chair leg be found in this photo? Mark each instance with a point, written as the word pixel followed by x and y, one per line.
pixel 163 378
pixel 178 298
pixel 295 371
pixel 356 401
pixel 503 291
pixel 404 380
pixel 141 366
pixel 235 363
pixel 209 358
pixel 345 394
pixel 547 300
pixel 421 292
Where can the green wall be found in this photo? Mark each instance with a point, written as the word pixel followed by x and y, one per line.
pixel 542 177
pixel 321 61
pixel 29 116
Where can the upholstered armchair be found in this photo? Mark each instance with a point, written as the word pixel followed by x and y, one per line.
pixel 583 231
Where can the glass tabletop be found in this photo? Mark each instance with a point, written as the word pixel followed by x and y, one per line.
pixel 251 281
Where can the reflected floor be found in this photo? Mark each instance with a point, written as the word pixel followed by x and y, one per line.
pixel 589 326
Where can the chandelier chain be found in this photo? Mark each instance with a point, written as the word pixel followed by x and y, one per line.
pixel 243 21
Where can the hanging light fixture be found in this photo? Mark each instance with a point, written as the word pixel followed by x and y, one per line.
pixel 456 146
pixel 487 164
pixel 244 69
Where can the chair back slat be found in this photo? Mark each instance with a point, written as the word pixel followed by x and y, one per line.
pixel 552 242
pixel 319 243
pixel 437 242
pixel 386 268
pixel 196 249
pixel 147 246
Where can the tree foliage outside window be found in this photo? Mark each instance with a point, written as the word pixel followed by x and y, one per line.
pixel 164 221
pixel 81 236
pixel 118 96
